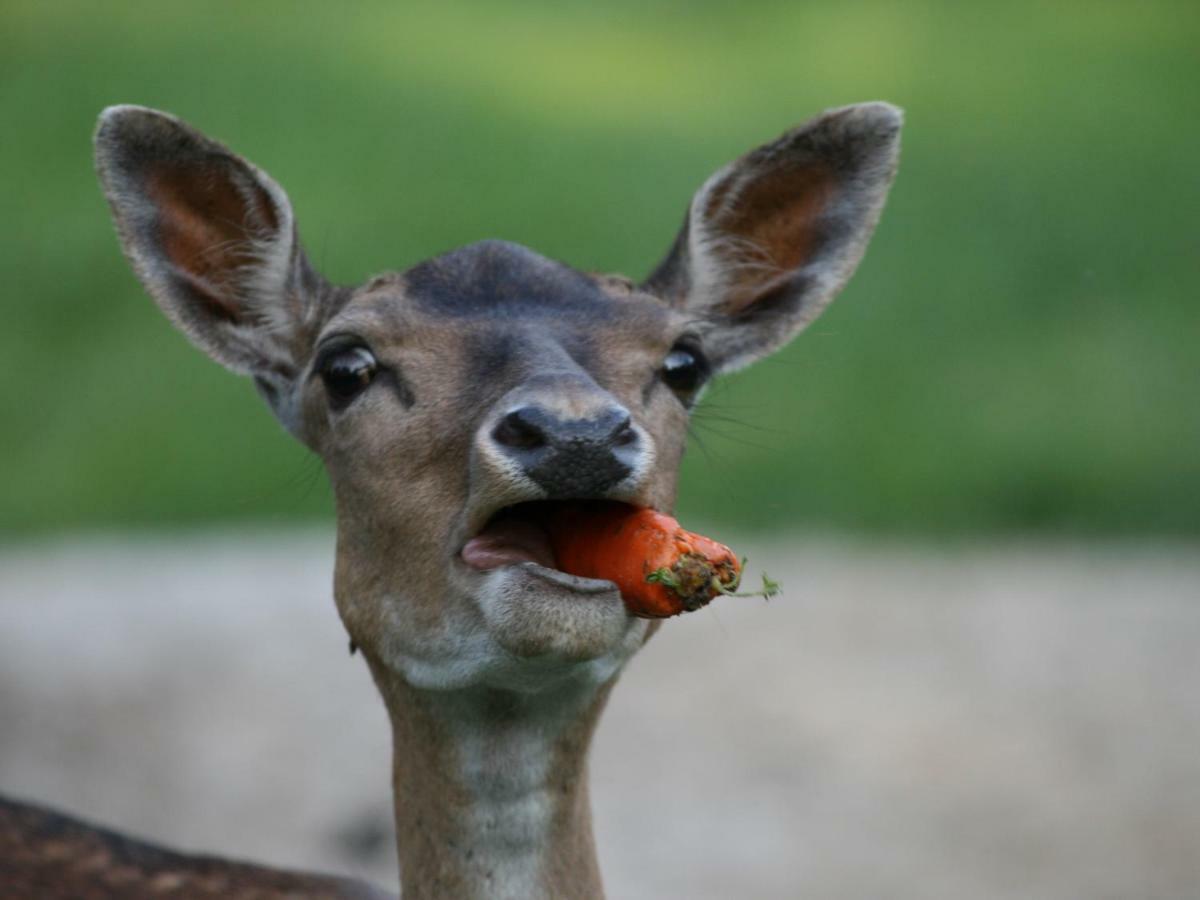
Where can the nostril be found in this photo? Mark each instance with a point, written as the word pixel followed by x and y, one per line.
pixel 624 435
pixel 519 431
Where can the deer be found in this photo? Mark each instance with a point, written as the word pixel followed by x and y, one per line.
pixel 450 402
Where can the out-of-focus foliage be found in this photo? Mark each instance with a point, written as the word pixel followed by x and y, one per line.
pixel 1018 351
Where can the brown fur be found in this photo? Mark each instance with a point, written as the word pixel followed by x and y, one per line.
pixel 44 855
pixel 441 861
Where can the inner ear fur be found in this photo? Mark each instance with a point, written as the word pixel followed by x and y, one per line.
pixel 770 238
pixel 211 219
pixel 212 238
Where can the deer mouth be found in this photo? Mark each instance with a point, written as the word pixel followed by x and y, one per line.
pixel 523 533
pixel 514 535
pixel 533 608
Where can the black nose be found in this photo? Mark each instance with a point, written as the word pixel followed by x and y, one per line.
pixel 570 457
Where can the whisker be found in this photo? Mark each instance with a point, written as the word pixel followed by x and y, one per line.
pixel 297 482
pixel 725 436
pixel 741 423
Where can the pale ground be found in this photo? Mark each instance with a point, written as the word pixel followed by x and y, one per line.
pixel 906 722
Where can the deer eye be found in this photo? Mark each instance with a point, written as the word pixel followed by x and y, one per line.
pixel 346 373
pixel 684 370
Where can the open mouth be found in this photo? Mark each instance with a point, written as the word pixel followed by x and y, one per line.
pixel 531 606
pixel 525 532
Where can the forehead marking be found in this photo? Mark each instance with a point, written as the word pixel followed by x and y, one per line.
pixel 499 280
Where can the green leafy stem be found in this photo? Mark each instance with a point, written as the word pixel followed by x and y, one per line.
pixel 665 576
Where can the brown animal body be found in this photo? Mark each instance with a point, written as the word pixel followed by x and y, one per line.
pixel 47 855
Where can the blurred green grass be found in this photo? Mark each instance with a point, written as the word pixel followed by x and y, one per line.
pixel 1018 351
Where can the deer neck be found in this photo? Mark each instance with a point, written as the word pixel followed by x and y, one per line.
pixel 491 791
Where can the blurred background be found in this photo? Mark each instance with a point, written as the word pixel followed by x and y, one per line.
pixel 992 439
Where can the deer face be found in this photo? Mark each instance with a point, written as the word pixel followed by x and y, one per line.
pixel 452 404
pixel 456 402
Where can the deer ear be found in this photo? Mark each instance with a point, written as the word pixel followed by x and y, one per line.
pixel 771 238
pixel 213 240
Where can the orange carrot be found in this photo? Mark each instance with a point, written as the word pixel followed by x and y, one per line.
pixel 661 569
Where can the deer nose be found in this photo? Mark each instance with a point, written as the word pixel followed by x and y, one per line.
pixel 570 457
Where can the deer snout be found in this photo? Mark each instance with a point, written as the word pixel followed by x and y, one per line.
pixel 570 457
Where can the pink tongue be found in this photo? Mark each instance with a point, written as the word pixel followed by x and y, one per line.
pixel 506 542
